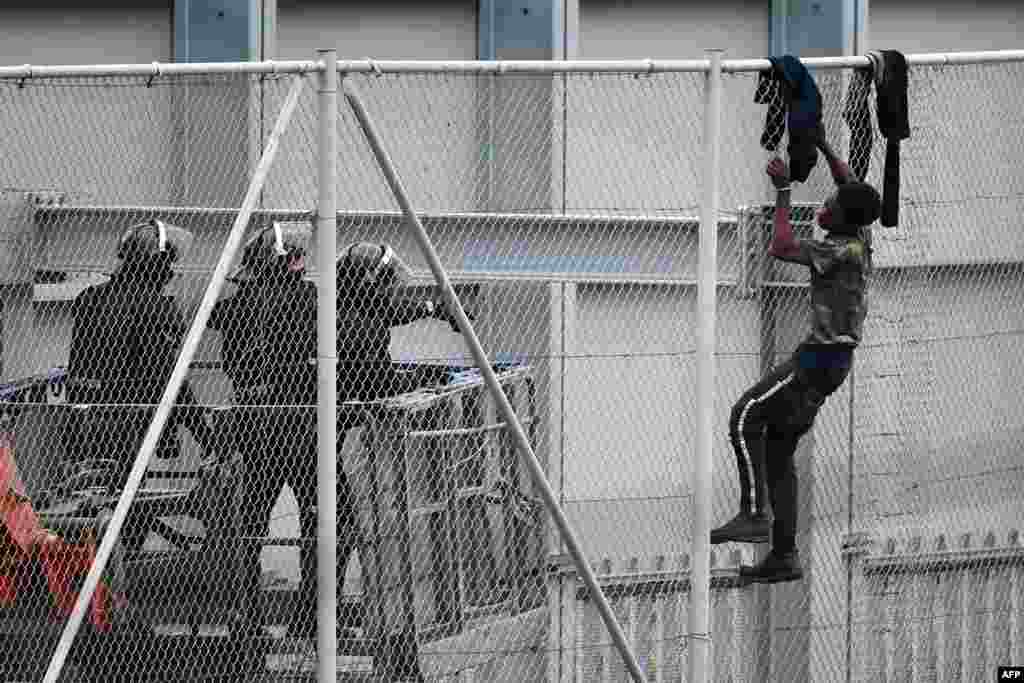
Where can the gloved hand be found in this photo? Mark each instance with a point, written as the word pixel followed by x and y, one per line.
pixel 441 312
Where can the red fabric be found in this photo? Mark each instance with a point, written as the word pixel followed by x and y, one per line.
pixel 22 537
pixel 8 590
pixel 20 521
pixel 64 565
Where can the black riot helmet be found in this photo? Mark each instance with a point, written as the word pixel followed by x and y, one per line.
pixel 148 250
pixel 367 269
pixel 276 252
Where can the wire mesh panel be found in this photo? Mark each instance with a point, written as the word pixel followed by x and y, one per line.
pixel 918 446
pixel 453 534
pixel 942 467
pixel 574 267
pixel 118 195
pixel 564 210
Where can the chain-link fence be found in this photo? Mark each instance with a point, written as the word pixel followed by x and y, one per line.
pixel 902 483
pixel 565 208
pixel 119 193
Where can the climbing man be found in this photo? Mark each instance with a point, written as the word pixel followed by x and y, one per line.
pixel 767 422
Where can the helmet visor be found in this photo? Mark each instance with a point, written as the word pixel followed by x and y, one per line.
pixel 269 244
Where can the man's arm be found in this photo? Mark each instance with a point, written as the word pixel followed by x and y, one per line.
pixel 841 172
pixel 784 245
pixel 404 311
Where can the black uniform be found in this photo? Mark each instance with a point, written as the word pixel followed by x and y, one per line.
pixel 269 350
pixel 124 344
pixel 366 372
pixel 365 367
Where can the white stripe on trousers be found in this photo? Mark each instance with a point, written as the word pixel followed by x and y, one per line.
pixel 774 389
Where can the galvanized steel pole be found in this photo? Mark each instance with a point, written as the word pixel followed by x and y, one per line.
pixel 327 367
pixel 699 625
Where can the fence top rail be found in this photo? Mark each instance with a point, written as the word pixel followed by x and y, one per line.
pixel 684 220
pixel 644 66
pixel 159 69
pixel 538 67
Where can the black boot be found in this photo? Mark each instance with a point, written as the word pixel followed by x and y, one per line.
pixel 776 567
pixel 743 528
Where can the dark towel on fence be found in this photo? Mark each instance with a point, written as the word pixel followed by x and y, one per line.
pixel 794 103
pixel 858 117
pixel 768 92
pixel 893 123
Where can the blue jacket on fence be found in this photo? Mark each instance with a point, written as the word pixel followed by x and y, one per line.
pixel 794 104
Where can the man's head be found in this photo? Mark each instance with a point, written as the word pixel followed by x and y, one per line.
pixel 850 208
pixel 368 269
pixel 149 250
pixel 275 254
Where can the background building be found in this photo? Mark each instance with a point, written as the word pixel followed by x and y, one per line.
pixel 910 446
pixel 64 32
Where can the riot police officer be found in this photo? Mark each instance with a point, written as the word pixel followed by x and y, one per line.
pixel 124 345
pixel 373 297
pixel 268 347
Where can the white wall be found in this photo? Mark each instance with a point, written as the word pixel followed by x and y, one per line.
pixel 429 123
pixel 115 140
pixel 945 25
pixel 388 30
pixel 630 380
pixel 939 420
pixel 70 32
pixel 668 29
pixel 650 130
pixel 950 216
pixel 99 145
pixel 653 139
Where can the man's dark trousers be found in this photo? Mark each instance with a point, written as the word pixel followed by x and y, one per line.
pixel 766 425
pixel 280 448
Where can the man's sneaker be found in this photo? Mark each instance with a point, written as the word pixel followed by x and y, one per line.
pixel 743 528
pixel 774 568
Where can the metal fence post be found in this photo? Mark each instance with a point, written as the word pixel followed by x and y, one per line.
pixel 327 365
pixel 698 631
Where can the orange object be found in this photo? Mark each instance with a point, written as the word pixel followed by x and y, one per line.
pixel 22 538
pixel 63 564
pixel 19 518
